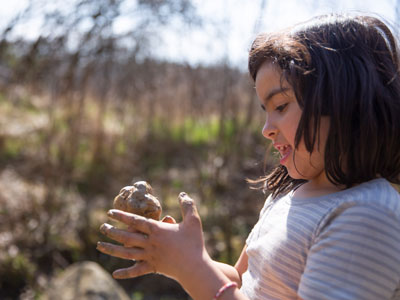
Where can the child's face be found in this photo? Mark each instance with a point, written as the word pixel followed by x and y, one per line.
pixel 282 117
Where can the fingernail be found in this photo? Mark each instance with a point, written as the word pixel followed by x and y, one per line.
pixel 99 244
pixel 104 227
pixel 110 213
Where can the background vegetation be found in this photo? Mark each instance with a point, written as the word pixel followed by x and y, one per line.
pixel 85 111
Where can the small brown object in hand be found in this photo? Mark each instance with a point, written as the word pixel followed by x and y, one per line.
pixel 139 199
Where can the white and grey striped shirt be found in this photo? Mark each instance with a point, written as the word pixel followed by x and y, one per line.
pixel 344 245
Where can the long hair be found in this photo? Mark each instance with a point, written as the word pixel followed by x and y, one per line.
pixel 347 68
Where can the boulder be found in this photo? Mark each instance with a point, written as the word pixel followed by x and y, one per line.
pixel 85 281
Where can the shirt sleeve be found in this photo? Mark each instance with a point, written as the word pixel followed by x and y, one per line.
pixel 355 255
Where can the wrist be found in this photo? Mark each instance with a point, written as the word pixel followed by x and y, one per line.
pixel 224 289
pixel 204 279
pixel 188 264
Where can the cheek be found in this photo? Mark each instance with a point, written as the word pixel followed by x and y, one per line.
pixel 290 135
pixel 319 146
pixel 306 166
pixel 311 162
pixel 324 131
pixel 291 121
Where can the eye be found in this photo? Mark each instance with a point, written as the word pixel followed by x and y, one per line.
pixel 281 108
pixel 263 107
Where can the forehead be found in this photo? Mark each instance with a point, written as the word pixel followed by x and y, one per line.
pixel 269 81
pixel 268 69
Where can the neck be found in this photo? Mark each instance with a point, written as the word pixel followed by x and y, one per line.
pixel 317 187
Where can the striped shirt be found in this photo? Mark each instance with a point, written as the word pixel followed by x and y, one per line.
pixel 344 245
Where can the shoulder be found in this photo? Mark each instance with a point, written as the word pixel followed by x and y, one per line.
pixel 374 202
pixel 377 194
pixel 355 249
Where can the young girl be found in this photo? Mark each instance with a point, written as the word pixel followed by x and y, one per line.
pixel 330 228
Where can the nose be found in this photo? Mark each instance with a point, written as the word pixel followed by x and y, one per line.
pixel 269 131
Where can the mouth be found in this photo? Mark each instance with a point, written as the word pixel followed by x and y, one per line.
pixel 284 151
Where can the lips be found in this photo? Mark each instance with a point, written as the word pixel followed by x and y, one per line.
pixel 284 150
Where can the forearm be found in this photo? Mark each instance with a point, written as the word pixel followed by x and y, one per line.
pixel 207 277
pixel 230 272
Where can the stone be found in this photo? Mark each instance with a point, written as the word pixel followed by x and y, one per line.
pixel 138 199
pixel 85 281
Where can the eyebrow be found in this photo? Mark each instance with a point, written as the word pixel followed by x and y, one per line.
pixel 274 92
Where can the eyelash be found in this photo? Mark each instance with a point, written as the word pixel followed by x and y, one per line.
pixel 279 108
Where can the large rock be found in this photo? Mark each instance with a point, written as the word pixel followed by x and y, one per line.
pixel 85 281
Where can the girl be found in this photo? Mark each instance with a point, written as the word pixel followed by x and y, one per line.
pixel 330 228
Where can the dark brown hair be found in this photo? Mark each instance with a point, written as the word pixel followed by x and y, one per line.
pixel 347 68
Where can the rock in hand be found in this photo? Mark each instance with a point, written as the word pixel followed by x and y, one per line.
pixel 139 199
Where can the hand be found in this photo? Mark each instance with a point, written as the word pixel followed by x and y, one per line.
pixel 164 247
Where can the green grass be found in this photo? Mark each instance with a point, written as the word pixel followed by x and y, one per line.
pixel 12 148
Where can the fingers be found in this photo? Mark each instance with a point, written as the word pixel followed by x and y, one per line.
pixel 188 208
pixel 128 239
pixel 168 219
pixel 121 251
pixel 134 221
pixel 138 269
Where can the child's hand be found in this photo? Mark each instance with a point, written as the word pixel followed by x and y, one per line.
pixel 164 247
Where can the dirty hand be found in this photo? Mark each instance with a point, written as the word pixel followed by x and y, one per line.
pixel 168 248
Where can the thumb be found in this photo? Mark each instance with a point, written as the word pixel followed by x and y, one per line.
pixel 188 208
pixel 138 269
